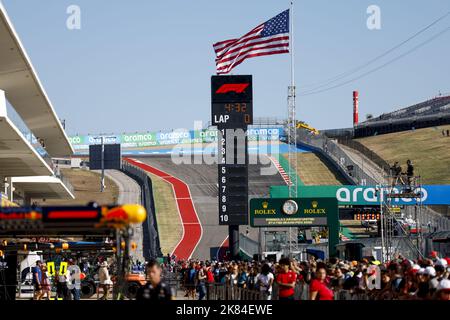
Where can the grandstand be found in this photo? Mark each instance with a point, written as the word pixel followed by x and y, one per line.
pixel 433 112
pixel 30 131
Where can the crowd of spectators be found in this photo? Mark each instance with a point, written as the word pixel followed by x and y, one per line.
pixel 289 279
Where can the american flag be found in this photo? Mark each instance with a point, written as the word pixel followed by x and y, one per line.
pixel 271 37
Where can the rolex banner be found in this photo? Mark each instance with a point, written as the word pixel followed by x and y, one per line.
pixel 296 212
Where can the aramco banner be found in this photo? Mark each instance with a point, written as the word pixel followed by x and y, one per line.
pixel 149 139
pixel 368 195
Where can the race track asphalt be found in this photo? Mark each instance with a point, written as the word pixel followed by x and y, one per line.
pixel 129 193
pixel 202 182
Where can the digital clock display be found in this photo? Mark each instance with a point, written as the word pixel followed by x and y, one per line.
pixel 236 107
pixel 232 115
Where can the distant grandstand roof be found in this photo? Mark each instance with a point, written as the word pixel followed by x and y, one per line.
pixel 435 106
pixel 25 93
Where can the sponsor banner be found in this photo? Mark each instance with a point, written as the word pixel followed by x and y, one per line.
pixel 286 212
pixel 149 139
pixel 368 195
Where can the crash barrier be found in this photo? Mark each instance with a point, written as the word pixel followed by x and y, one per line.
pixel 358 146
pixel 151 243
pixel 65 181
pixel 331 150
pixel 248 246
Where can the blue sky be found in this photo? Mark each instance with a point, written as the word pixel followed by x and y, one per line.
pixel 145 65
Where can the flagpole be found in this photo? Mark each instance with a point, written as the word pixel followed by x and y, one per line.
pixel 292 133
pixel 292 44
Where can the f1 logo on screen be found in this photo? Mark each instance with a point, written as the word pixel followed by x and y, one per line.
pixel 233 87
pixel 230 89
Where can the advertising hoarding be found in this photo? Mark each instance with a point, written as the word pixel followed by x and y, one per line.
pixel 368 195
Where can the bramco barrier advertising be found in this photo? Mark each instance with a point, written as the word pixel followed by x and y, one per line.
pixel 150 139
pixel 368 195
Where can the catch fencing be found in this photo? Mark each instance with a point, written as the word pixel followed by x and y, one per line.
pixel 358 146
pixel 331 150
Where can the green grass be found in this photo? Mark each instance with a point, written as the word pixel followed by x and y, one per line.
pixel 427 148
pixel 167 216
pixel 314 171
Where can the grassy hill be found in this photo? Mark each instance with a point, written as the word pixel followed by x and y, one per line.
pixel 313 170
pixel 427 148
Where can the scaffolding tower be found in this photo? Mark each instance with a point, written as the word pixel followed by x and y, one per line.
pixel 291 131
pixel 396 239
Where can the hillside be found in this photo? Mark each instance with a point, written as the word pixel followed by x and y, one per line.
pixel 427 148
pixel 313 170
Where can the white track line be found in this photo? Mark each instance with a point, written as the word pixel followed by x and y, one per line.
pixel 281 170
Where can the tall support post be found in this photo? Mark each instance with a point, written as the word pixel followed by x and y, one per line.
pixel 102 180
pixel 291 122
pixel 292 130
pixel 233 236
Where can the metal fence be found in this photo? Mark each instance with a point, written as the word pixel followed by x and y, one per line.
pixel 226 292
pixel 66 182
pixel 302 293
pixel 213 291
pixel 331 150
pixel 151 245
pixel 358 146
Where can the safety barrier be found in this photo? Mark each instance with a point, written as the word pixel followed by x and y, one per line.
pixel 248 246
pixel 151 245
pixel 66 182
pixel 358 146
pixel 331 150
